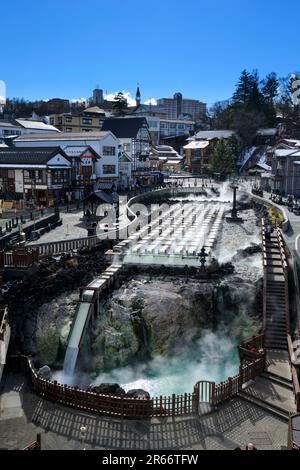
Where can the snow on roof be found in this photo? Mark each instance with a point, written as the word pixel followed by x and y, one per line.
pixel 94 109
pixel 27 124
pixel 196 144
pixel 297 162
pixel 214 134
pixel 67 136
pixel 247 155
pixel 284 152
pixel 264 166
pixel 270 131
pixel 292 141
pixel 172 161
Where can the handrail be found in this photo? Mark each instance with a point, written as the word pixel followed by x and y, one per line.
pixel 35 445
pixel 296 385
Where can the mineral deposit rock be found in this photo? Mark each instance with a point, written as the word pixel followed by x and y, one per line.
pixel 45 372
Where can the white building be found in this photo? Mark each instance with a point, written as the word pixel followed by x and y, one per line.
pixel 175 127
pixel 105 144
pixel 19 127
pixel 135 138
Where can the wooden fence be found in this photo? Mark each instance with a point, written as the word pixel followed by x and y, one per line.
pixel 19 258
pixel 136 408
pixel 64 246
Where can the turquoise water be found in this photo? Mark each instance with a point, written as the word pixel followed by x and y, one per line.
pixel 213 358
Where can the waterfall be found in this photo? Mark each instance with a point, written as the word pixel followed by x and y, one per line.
pixel 70 361
pixel 77 331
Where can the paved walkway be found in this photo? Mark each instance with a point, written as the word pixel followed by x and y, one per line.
pixel 277 362
pixel 72 227
pixel 236 423
pixel 273 394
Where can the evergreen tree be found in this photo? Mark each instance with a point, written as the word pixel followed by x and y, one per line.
pixel 120 104
pixel 234 147
pixel 243 90
pixel 270 88
pixel 222 161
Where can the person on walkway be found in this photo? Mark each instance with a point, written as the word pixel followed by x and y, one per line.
pixel 251 446
pixel 268 231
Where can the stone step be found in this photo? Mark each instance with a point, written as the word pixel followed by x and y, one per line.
pixel 276 322
pixel 275 410
pixel 275 326
pixel 274 330
pixel 273 304
pixel 276 339
pixel 277 379
pixel 279 341
pixel 280 319
pixel 275 315
pixel 269 344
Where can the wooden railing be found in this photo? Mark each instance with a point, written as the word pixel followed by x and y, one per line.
pixel 19 258
pixel 291 444
pixel 295 378
pixel 64 246
pixel 247 348
pixel 3 321
pixel 136 408
pixel 284 264
pixel 35 445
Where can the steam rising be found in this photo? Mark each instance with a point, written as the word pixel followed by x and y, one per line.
pixel 213 357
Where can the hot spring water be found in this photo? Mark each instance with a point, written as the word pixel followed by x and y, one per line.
pixel 214 357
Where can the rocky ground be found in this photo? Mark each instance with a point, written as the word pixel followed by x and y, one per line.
pixel 150 317
pixel 41 307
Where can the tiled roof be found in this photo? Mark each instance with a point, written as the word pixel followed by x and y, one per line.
pixel 29 155
pixel 124 127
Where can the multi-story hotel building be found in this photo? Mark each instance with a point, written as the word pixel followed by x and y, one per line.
pixel 178 106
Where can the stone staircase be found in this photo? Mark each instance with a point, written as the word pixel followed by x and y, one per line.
pixel 275 296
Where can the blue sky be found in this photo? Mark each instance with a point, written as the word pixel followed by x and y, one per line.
pixel 65 48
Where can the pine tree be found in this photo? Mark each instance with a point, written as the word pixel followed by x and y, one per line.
pixel 243 89
pixel 270 88
pixel 222 161
pixel 120 104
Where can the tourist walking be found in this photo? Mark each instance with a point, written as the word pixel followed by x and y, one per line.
pixel 251 446
pixel 268 231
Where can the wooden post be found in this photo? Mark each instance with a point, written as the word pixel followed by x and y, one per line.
pixel 196 399
pixel 230 386
pixel 173 404
pixel 38 441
